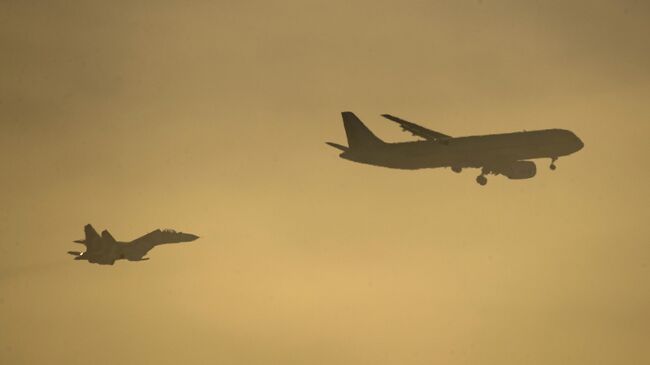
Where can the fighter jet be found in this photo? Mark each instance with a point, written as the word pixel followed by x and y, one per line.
pixel 104 249
pixel 506 154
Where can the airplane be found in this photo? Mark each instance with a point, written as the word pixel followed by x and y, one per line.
pixel 506 154
pixel 105 250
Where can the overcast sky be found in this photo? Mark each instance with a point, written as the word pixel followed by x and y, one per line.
pixel 210 117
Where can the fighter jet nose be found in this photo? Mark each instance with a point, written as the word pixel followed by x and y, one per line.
pixel 192 237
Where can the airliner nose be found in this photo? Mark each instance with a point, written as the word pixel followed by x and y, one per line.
pixel 579 144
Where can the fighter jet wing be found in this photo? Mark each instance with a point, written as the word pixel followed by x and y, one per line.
pixel 138 250
pixel 140 246
pixel 417 130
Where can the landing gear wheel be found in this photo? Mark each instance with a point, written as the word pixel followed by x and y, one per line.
pixel 482 180
pixel 553 167
pixel 456 169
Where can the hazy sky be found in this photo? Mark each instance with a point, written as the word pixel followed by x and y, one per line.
pixel 210 117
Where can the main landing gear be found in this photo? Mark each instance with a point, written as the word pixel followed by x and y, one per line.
pixel 481 179
pixel 553 167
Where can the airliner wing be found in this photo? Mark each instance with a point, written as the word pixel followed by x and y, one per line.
pixel 417 130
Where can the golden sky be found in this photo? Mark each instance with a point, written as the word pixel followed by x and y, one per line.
pixel 210 117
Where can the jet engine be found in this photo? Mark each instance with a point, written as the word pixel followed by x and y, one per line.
pixel 518 170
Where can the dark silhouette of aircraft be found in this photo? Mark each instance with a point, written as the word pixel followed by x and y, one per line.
pixel 104 249
pixel 506 154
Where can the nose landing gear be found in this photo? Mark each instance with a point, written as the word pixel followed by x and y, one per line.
pixel 553 167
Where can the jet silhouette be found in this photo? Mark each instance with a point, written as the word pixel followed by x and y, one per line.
pixel 105 250
pixel 504 154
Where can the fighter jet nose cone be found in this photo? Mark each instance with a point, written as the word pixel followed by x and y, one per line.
pixel 192 237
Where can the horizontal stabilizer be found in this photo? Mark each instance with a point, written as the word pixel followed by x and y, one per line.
pixel 336 145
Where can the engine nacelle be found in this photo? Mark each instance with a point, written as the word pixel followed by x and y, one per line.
pixel 518 170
